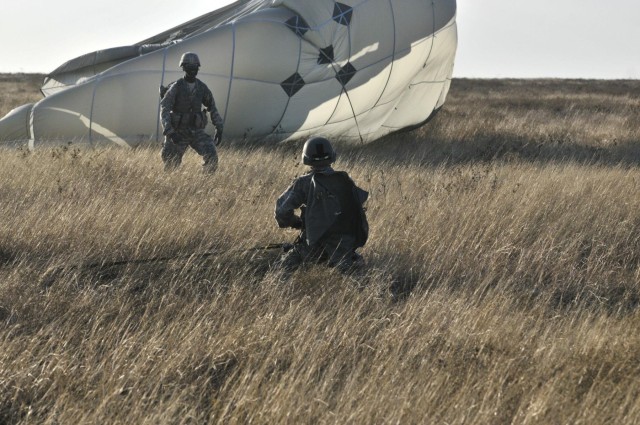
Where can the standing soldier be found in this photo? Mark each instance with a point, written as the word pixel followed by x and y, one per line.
pixel 332 221
pixel 183 119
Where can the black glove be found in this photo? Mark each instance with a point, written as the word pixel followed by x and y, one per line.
pixel 218 138
pixel 296 223
pixel 175 137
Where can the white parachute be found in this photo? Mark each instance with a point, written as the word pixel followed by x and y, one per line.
pixel 278 69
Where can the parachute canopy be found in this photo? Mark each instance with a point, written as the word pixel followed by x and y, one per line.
pixel 278 69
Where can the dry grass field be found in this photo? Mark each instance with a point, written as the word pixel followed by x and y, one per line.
pixel 502 282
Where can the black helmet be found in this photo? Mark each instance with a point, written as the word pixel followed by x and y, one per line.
pixel 318 151
pixel 189 58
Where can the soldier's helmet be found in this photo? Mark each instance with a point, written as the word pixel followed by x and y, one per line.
pixel 189 58
pixel 318 152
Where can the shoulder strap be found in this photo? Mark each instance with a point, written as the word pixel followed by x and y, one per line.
pixel 163 89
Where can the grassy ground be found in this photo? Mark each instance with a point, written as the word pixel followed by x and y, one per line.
pixel 18 89
pixel 502 283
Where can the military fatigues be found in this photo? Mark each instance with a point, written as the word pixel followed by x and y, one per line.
pixel 180 111
pixel 333 222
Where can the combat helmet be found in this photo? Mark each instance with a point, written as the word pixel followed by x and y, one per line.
pixel 318 152
pixel 189 58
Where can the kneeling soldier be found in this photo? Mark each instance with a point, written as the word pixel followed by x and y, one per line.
pixel 333 222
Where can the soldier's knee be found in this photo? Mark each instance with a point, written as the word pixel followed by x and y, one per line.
pixel 291 258
pixel 346 261
pixel 210 164
pixel 287 262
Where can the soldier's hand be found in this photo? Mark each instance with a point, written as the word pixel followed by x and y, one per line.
pixel 175 138
pixel 218 137
pixel 296 223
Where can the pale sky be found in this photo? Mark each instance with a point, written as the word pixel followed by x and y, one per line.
pixel 497 38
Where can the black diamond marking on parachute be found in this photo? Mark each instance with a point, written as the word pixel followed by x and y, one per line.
pixel 297 25
pixel 342 14
pixel 326 55
pixel 346 73
pixel 292 84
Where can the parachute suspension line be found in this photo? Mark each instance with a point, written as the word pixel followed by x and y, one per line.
pixel 393 55
pixel 433 41
pixel 284 111
pixel 232 70
pixel 333 67
pixel 51 274
pixel 93 102
pixel 164 67
pixel 353 112
pixel 346 92
pixel 93 64
pixel 32 135
pixel 93 97
pixel 433 35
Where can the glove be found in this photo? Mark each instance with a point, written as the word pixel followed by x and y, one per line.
pixel 175 138
pixel 297 222
pixel 218 137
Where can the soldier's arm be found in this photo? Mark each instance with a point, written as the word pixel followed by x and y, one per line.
pixel 291 199
pixel 166 105
pixel 209 103
pixel 360 194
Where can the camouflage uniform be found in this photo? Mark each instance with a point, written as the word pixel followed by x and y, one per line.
pixel 333 223
pixel 180 111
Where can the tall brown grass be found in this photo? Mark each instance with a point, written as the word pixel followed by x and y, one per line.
pixel 502 279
